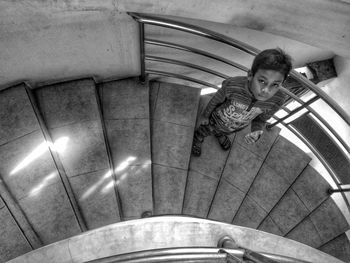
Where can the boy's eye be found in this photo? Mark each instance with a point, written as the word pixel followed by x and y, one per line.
pixel 262 81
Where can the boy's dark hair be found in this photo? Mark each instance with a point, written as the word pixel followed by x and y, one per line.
pixel 272 59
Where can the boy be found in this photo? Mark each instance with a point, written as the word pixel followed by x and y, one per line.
pixel 243 100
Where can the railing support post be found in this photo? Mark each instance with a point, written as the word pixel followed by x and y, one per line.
pixel 142 52
pixel 331 191
pixel 229 243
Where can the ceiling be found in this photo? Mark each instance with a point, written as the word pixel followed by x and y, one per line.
pixel 44 41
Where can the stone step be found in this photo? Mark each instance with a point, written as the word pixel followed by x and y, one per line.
pixel 145 132
pixel 173 110
pixel 126 114
pixel 42 209
pixel 304 195
pixel 70 111
pixel 322 225
pixel 241 169
pixel 338 247
pixel 204 173
pixel 268 185
pixel 282 165
pixel 208 193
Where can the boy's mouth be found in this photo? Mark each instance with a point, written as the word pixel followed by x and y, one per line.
pixel 262 96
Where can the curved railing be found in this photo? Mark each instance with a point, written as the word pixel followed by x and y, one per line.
pixel 318 94
pixel 196 254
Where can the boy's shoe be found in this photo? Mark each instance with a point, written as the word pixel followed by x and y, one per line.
pixel 224 141
pixel 196 147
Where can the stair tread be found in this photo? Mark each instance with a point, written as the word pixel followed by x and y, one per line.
pixel 30 174
pixel 125 105
pixel 289 211
pixel 306 233
pixel 16 114
pixel 338 247
pixel 287 159
pixel 173 109
pixel 226 202
pixel 12 242
pixel 329 220
pixel 67 103
pixel 250 214
pixel 97 199
pixel 268 185
pixel 268 225
pixel 200 191
pixel 169 189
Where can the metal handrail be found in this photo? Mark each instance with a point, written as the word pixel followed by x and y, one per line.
pixel 195 51
pixel 168 23
pixel 324 96
pixel 186 64
pixel 178 76
pixel 305 105
pixel 295 111
pixel 206 54
pixel 142 52
pixel 165 22
pixel 192 254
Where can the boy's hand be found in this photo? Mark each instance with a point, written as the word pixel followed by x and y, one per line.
pixel 204 121
pixel 253 137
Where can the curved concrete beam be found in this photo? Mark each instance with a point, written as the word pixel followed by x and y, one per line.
pixel 166 232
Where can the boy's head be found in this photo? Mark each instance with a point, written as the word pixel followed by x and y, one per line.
pixel 272 59
pixel 270 68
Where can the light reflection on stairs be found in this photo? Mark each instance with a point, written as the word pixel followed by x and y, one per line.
pixel 268 186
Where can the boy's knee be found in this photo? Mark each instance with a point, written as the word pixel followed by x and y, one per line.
pixel 203 130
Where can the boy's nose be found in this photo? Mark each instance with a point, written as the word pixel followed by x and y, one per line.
pixel 265 89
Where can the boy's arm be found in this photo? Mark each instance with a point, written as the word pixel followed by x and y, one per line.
pixel 258 124
pixel 218 98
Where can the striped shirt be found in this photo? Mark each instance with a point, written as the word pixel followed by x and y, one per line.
pixel 233 107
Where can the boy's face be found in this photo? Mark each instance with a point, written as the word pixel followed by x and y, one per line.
pixel 265 83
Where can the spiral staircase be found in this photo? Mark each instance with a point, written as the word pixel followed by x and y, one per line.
pixel 81 154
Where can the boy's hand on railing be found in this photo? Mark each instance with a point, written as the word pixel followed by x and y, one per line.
pixel 253 137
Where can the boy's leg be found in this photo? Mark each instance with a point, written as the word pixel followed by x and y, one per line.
pixel 201 132
pixel 221 136
pixel 223 140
